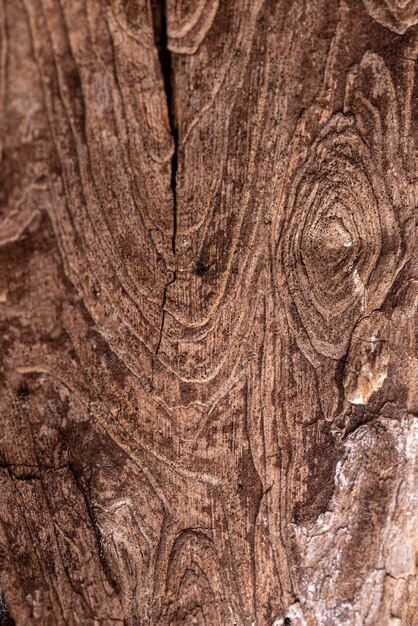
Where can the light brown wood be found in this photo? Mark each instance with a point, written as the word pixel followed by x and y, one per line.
pixel 208 296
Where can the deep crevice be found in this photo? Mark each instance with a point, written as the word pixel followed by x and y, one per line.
pixel 159 21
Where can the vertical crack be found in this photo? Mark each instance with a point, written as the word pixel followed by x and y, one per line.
pixel 159 21
pixel 164 311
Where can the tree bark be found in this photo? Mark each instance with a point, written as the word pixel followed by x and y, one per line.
pixel 208 297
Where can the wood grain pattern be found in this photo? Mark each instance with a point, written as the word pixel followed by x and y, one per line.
pixel 208 298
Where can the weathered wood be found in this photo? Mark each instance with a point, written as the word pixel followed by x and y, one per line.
pixel 208 288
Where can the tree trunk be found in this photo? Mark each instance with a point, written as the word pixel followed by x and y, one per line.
pixel 208 287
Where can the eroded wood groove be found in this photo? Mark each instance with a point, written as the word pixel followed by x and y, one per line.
pixel 208 307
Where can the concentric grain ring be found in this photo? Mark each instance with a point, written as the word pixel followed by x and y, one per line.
pixel 338 251
pixel 397 15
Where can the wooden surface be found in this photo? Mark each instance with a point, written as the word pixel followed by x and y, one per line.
pixel 208 287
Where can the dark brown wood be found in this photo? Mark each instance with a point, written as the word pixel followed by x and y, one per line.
pixel 208 289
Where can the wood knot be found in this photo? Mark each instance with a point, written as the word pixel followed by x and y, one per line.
pixel 340 244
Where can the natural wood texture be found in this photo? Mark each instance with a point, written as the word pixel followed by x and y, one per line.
pixel 208 288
